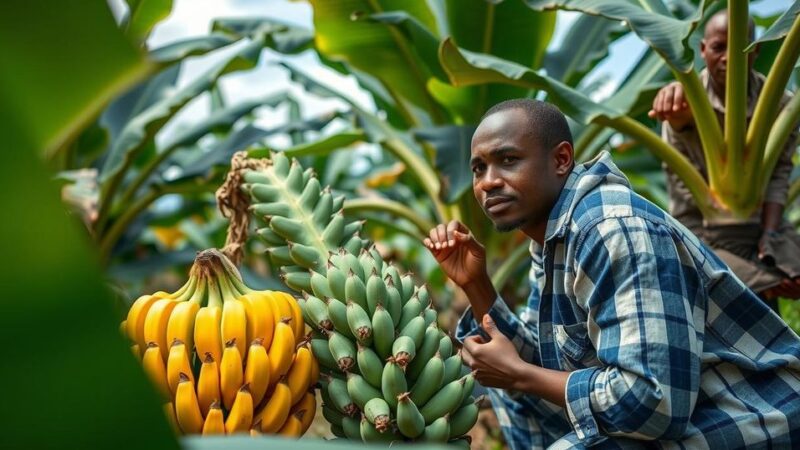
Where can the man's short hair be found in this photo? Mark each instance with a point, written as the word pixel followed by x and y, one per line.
pixel 546 122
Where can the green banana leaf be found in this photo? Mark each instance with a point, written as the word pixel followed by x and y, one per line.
pixel 280 36
pixel 666 34
pixel 184 48
pixel 75 382
pixel 453 148
pixel 587 42
pixel 144 15
pixel 781 26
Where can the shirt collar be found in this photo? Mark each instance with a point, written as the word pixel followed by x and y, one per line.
pixel 753 86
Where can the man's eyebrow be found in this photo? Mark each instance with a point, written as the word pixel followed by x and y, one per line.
pixel 495 153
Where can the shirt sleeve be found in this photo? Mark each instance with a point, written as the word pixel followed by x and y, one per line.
pixel 778 186
pixel 631 279
pixel 521 331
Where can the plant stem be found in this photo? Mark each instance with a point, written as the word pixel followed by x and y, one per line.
pixel 783 127
pixel 735 97
pixel 705 120
pixel 676 161
pixel 392 207
pixel 794 192
pixel 769 100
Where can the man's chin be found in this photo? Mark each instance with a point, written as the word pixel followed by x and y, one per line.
pixel 505 227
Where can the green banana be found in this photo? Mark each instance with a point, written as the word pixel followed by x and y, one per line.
pixel 429 380
pixel 376 255
pixel 321 351
pixel 352 428
pixel 253 177
pixel 443 402
pixel 376 290
pixel 424 296
pixel 353 228
pixel 382 332
pixel 355 290
pixel 370 434
pixel 323 210
pixel 304 255
pixel 280 255
pixel 445 346
pixel 270 209
pixel 469 387
pixel 334 231
pixel 409 420
pixel 270 237
pixel 299 281
pixel 290 229
pixel 319 285
pixel 336 282
pixel 307 175
pixel 393 302
pixel 359 322
pixel 342 349
pixel 264 192
pixel 393 382
pixel 430 315
pixel 280 164
pixel 426 350
pixel 392 271
pixel 367 263
pixel 294 180
pixel 360 390
pixel 463 443
pixel 333 416
pixel 452 367
pixel 340 398
pixel 337 311
pixel 338 431
pixel 377 412
pixel 317 312
pixel 369 365
pixel 411 309
pixel 311 193
pixel 404 350
pixel 438 430
pixel 354 244
pixel 463 419
pixel 415 330
pixel 407 286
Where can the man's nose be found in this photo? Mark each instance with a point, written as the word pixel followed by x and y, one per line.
pixel 491 180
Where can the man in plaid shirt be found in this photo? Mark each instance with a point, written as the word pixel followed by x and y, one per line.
pixel 635 335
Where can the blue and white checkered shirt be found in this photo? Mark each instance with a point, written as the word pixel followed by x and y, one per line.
pixel 665 347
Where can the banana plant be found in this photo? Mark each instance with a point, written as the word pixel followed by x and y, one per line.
pixel 735 153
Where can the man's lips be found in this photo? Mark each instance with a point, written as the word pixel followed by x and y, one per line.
pixel 497 202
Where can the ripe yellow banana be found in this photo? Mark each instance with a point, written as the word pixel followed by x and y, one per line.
pixel 293 427
pixel 234 324
pixel 208 384
pixel 230 373
pixel 298 325
pixel 156 369
pixel 136 352
pixel 299 375
pixel 177 364
pixel 308 404
pixel 274 413
pixel 260 321
pixel 181 323
pixel 214 423
pixel 134 324
pixel 155 324
pixel 206 331
pixel 241 415
pixel 187 411
pixel 257 371
pixel 281 350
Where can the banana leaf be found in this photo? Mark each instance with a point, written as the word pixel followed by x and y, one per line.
pixel 144 15
pixel 781 26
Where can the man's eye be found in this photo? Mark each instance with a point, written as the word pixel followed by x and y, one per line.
pixel 509 159
pixel 477 169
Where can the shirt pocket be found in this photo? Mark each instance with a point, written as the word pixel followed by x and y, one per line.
pixel 574 346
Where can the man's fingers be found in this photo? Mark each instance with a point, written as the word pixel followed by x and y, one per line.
pixel 677 98
pixel 668 96
pixel 472 344
pixel 452 226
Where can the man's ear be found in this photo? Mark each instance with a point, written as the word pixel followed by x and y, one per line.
pixel 564 158
pixel 703 47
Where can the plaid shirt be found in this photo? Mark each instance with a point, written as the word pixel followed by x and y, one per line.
pixel 664 345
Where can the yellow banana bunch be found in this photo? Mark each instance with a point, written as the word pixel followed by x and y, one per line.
pixel 224 357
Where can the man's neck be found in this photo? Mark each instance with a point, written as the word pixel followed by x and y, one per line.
pixel 536 232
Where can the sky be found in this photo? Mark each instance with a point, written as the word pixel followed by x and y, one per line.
pixel 191 18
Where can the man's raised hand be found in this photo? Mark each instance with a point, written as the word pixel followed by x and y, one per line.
pixel 462 258
pixel 670 104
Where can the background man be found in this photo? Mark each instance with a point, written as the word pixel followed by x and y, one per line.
pixel 762 251
pixel 634 331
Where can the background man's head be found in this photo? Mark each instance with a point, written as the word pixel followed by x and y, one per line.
pixel 521 156
pixel 714 48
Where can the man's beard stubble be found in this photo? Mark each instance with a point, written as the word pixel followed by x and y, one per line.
pixel 510 226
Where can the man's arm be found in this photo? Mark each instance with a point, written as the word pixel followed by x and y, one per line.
pixel 631 280
pixel 670 105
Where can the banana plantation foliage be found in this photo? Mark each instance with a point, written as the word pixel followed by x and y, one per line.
pixel 335 218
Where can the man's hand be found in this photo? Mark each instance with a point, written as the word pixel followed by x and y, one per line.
pixel 671 105
pixel 495 363
pixel 462 258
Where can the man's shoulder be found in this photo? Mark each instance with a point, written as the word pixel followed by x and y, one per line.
pixel 614 201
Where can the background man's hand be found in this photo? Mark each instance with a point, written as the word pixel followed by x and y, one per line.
pixel 462 258
pixel 495 363
pixel 671 105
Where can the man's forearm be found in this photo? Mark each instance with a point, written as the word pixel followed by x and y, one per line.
pixel 548 384
pixel 481 295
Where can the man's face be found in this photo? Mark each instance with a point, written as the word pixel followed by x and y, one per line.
pixel 512 175
pixel 714 49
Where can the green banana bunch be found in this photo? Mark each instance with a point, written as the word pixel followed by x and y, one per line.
pixel 388 371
